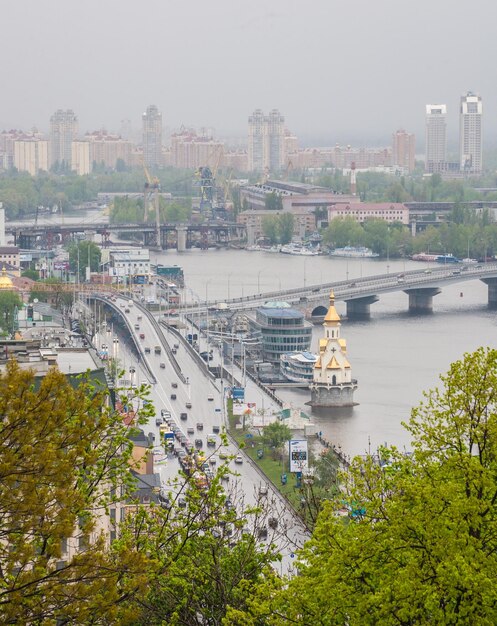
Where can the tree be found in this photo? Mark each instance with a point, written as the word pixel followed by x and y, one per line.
pixel 285 227
pixel 420 544
pixel 275 435
pixel 84 254
pixel 270 227
pixel 64 459
pixel 32 274
pixel 10 303
pixel 52 290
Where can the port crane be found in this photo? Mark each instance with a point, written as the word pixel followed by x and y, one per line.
pixel 151 193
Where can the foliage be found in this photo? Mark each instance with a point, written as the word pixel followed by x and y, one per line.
pixel 126 210
pixel 83 254
pixel 32 274
pixel 270 227
pixel 285 227
pixel 10 303
pixel 275 435
pixel 64 459
pixel 52 290
pixel 419 546
pixel 202 558
pixel 273 201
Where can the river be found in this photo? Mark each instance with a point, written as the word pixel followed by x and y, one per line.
pixel 394 355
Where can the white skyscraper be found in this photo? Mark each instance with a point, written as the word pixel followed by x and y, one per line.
pixel 63 131
pixel 152 136
pixel 266 141
pixel 436 137
pixel 470 134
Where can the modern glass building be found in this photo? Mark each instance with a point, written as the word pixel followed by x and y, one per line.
pixel 281 329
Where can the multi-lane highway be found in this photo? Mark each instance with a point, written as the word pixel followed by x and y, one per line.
pixel 180 384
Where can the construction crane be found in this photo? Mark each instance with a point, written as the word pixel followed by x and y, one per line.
pixel 207 181
pixel 151 190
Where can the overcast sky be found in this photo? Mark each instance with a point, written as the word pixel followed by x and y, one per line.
pixel 338 70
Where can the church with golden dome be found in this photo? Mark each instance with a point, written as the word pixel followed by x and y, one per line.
pixel 332 384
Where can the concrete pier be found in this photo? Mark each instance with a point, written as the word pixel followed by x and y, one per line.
pixel 181 232
pixel 358 308
pixel 421 300
pixel 492 292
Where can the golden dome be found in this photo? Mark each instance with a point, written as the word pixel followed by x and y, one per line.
pixel 5 281
pixel 332 315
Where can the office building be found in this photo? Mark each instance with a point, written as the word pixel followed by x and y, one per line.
pixel 281 329
pixel 404 150
pixel 63 131
pixel 435 138
pixel 266 141
pixel 152 136
pixel 470 134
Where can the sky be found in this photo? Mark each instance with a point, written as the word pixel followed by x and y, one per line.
pixel 338 70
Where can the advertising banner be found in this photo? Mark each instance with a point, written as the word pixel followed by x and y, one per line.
pixel 298 455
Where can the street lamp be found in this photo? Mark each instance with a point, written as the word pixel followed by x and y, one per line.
pixel 258 281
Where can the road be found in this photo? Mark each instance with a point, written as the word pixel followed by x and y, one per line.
pixel 189 382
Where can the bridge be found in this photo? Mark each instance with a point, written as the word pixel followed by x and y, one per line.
pixel 180 236
pixel 419 285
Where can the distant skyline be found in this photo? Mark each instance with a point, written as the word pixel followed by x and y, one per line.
pixel 338 72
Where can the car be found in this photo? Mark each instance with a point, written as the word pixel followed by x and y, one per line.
pixel 126 310
pixel 262 532
pixel 210 398
pixel 188 405
pixel 216 429
pixel 263 489
pixel 239 459
pixel 142 335
pixel 173 396
pixel 174 350
pixel 137 326
pixel 200 426
pixel 158 421
pixel 147 350
pixel 139 318
pixel 428 271
pixel 176 346
pixel 182 503
pixel 223 454
pixel 163 366
pixel 165 413
pixel 198 443
pixel 273 522
pixel 183 416
pixel 190 430
pixel 174 385
pixel 212 460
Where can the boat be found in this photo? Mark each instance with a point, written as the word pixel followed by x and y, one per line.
pixel 422 256
pixel 360 252
pixel 297 249
pixel 447 258
pixel 298 367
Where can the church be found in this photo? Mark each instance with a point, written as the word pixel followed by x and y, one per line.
pixel 332 384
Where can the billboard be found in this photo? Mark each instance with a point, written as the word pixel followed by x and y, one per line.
pixel 297 453
pixel 238 393
pixel 238 408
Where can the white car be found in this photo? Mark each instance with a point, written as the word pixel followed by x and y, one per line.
pixel 239 459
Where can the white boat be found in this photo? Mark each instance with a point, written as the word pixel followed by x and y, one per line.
pixel 298 367
pixel 297 249
pixel 359 252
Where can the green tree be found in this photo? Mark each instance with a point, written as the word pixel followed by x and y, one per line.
pixel 420 544
pixel 52 290
pixel 10 303
pixel 32 274
pixel 286 222
pixel 270 227
pixel 275 435
pixel 64 459
pixel 84 254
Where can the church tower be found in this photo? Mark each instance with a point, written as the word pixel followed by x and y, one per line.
pixel 332 383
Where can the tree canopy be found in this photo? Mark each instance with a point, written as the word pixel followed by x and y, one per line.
pixel 419 543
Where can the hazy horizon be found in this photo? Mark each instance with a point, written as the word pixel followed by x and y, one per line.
pixel 338 72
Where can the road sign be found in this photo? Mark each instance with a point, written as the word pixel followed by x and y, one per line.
pixel 298 455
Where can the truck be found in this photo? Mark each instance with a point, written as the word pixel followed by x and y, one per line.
pixel 157 349
pixel 166 434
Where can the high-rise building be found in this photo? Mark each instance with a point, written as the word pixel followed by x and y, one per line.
pixel 470 134
pixel 80 157
pixel 152 136
pixel 436 138
pixel 404 150
pixel 31 155
pixel 256 141
pixel 189 150
pixel 108 149
pixel 266 141
pixel 63 131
